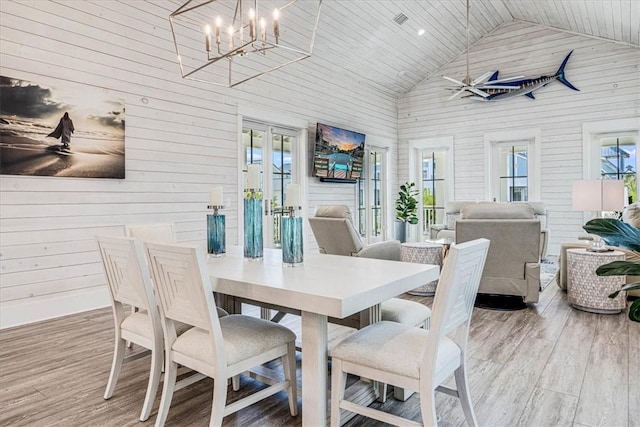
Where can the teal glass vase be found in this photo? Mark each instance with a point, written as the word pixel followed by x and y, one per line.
pixel 216 235
pixel 253 246
pixel 292 252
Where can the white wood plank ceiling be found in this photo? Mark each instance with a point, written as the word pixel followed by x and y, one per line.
pixel 360 37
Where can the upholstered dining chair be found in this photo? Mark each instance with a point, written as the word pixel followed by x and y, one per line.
pixel 219 348
pixel 335 234
pixel 414 358
pixel 129 282
pixel 159 232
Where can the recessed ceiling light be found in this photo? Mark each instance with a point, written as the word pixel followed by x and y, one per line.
pixel 421 31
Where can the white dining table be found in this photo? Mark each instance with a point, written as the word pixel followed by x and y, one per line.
pixel 323 286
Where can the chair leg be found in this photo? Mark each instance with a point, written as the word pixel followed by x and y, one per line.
pixel 338 385
pixel 289 366
pixel 167 392
pixel 463 393
pixel 235 382
pixel 116 366
pixel 157 361
pixel 428 408
pixel 219 401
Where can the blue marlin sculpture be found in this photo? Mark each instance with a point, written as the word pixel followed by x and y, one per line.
pixel 495 89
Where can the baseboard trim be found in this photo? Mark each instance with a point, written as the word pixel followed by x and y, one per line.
pixel 22 312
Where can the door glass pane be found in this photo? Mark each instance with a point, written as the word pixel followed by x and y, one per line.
pixel 252 144
pixel 433 189
pixel 514 171
pixel 374 193
pixel 280 178
pixel 618 160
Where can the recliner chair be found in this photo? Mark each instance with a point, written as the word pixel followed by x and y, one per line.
pixel 513 262
pixel 336 235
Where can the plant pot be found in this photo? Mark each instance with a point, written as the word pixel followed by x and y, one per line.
pixel 400 228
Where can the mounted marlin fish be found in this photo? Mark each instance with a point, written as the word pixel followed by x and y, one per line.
pixel 511 88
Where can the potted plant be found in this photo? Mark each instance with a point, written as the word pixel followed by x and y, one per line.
pixel 617 233
pixel 406 209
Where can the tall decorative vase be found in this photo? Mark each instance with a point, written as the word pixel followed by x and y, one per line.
pixel 216 233
pixel 401 231
pixel 253 246
pixel 292 244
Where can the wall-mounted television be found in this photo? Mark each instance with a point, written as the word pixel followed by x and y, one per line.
pixel 338 154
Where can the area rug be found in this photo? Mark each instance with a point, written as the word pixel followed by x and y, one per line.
pixel 548 270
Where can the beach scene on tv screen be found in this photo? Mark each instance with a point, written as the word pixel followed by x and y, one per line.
pixel 338 153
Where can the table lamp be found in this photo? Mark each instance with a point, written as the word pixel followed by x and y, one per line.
pixel 600 195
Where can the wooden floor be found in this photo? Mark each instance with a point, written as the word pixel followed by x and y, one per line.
pixel 549 365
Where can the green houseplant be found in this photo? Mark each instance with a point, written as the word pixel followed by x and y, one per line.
pixel 617 233
pixel 406 208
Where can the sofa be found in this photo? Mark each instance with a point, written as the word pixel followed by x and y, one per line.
pixel 631 215
pixel 452 213
pixel 513 262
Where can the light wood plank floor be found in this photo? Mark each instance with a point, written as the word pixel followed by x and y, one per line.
pixel 548 365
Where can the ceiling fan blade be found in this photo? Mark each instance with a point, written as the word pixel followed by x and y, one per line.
pixel 477 91
pixel 482 78
pixel 455 94
pixel 498 87
pixel 459 83
pixel 507 79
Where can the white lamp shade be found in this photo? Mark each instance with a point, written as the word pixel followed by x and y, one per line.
pixel 598 195
pixel 612 195
pixel 586 195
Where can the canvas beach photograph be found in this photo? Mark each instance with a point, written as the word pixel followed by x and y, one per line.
pixel 63 129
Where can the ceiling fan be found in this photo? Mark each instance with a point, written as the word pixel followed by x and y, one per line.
pixel 481 84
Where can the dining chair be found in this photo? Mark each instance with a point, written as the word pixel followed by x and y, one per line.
pixel 414 358
pixel 129 282
pixel 219 348
pixel 160 232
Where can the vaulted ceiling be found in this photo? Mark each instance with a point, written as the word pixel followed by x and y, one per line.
pixel 362 37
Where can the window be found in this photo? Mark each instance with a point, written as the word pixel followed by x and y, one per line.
pixel 514 166
pixel 611 150
pixel 618 160
pixel 513 173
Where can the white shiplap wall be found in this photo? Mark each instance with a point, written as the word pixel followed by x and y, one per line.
pixel 181 138
pixel 607 74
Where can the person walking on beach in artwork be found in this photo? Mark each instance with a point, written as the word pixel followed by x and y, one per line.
pixel 64 130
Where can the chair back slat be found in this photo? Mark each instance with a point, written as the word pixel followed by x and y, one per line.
pixel 128 279
pixel 184 291
pixel 164 233
pixel 456 292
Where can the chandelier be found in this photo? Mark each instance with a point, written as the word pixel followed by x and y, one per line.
pixel 230 42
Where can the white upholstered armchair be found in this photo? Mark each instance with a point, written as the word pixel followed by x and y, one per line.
pixel 335 233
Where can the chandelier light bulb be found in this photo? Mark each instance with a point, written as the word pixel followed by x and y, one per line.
pixel 231 31
pixel 263 30
pixel 252 24
pixel 207 38
pixel 421 32
pixel 218 25
pixel 276 27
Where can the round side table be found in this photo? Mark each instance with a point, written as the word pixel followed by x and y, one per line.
pixel 586 290
pixel 422 253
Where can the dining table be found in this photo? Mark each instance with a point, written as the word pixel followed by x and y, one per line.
pixel 321 287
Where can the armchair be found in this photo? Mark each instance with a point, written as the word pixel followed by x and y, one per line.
pixel 336 235
pixel 512 266
pixel 453 212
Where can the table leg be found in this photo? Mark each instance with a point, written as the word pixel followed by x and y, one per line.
pixel 314 369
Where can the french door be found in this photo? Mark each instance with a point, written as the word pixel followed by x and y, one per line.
pixel 277 152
